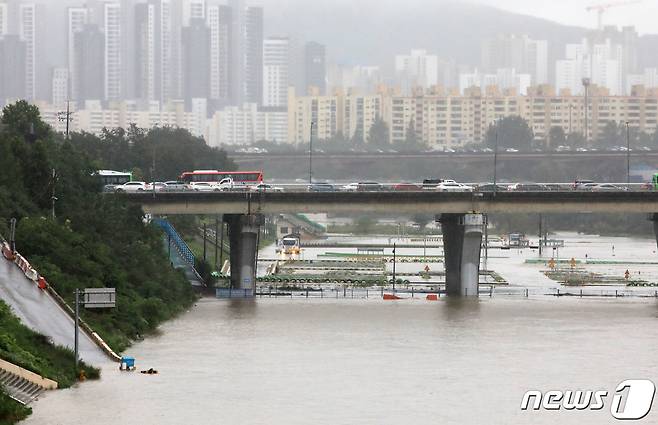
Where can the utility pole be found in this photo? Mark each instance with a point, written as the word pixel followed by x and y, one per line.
pixel 66 116
pixel 53 198
pixel 221 247
pixel 205 237
pixel 216 238
pixel 310 155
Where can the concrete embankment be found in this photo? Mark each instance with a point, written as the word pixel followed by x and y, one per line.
pixel 39 311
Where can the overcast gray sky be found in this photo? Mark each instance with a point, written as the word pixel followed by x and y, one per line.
pixel 643 14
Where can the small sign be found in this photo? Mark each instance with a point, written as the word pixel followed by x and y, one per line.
pixel 99 298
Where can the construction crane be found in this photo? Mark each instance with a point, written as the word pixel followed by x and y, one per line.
pixel 601 8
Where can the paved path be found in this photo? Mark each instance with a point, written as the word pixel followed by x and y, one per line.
pixel 38 311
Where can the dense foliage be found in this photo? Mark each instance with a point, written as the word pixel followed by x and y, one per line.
pixel 171 150
pixel 10 411
pixel 96 240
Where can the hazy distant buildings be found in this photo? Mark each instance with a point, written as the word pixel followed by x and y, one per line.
pixel 363 79
pixel 112 26
pixel 276 63
pixel 418 69
pixel 509 51
pixel 196 63
pixel 89 47
pixel 648 79
pixel 12 68
pixel 601 63
pixel 504 78
pixel 315 68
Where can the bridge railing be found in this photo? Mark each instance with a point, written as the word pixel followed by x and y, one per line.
pixel 180 245
pixel 481 187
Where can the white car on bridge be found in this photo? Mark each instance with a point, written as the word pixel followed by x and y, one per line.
pixel 131 187
pixel 452 186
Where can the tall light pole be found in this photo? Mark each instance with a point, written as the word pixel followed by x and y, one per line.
pixel 496 123
pixel 586 84
pixel 310 155
pixel 628 154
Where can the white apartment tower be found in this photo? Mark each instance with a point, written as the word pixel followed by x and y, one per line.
pixel 276 59
pixel 601 63
pixel 4 19
pixel 418 69
pixel 27 31
pixel 60 87
pixel 113 50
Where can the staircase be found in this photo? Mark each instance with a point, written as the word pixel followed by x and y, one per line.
pixel 21 384
pixel 185 258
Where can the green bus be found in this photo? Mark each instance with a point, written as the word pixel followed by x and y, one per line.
pixel 654 182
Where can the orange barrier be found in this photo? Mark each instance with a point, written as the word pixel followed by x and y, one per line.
pixel 391 297
pixel 7 252
pixel 432 297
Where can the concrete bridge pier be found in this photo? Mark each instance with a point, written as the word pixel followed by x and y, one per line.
pixel 243 239
pixel 462 239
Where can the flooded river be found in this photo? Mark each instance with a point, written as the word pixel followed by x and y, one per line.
pixel 327 361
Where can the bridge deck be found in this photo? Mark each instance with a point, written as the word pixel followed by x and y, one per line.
pixel 397 202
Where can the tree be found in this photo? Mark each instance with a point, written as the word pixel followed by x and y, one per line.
pixel 363 225
pixel 612 135
pixel 411 140
pixel 513 132
pixel 556 137
pixel 575 140
pixel 378 135
pixel 421 219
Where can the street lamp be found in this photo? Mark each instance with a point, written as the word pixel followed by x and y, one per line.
pixel 496 123
pixel 310 156
pixel 628 154
pixel 586 84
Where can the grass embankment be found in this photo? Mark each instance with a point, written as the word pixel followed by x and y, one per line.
pixel 10 410
pixel 34 352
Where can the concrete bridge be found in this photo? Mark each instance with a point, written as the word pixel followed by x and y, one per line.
pixel 461 216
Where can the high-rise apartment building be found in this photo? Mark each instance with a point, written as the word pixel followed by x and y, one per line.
pixel 89 47
pixel 153 50
pixel 601 63
pixel 4 19
pixel 28 33
pixel 218 19
pixel 60 86
pixel 315 68
pixel 417 69
pixel 276 63
pixel 77 18
pixel 113 73
pixel 253 68
pixel 12 68
pixel 196 62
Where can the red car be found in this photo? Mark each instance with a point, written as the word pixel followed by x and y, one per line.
pixel 406 187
